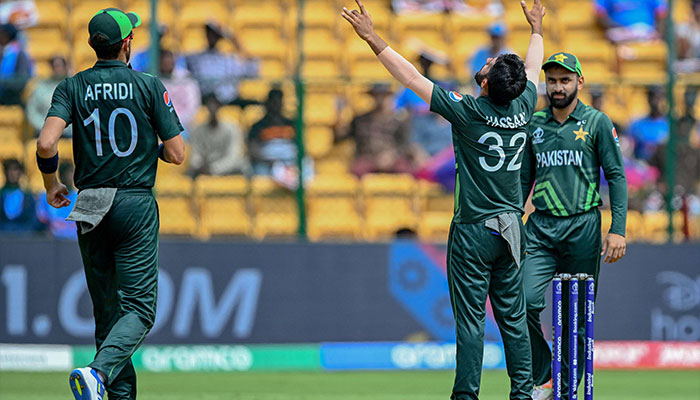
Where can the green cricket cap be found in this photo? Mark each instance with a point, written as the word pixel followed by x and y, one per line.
pixel 566 60
pixel 114 24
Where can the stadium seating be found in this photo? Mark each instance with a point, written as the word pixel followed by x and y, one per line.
pixel 337 69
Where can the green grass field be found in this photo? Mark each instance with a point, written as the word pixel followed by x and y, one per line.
pixel 414 385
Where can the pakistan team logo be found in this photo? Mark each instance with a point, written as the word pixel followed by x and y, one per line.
pixel 538 136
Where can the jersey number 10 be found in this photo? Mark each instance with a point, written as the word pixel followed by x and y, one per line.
pixel 95 117
pixel 498 148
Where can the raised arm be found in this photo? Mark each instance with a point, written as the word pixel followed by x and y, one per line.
pixel 397 66
pixel 535 52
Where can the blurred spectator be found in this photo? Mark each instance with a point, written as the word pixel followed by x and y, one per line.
pixel 183 90
pixel 273 138
pixel 687 174
pixel 496 47
pixel 688 35
pixel 428 130
pixel 218 73
pixel 40 99
pixel 631 20
pixel 15 68
pixel 382 137
pixel 649 132
pixel 429 6
pixel 17 206
pixel 55 218
pixel 218 147
pixel 141 61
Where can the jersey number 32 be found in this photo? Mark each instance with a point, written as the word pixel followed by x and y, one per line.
pixel 498 148
pixel 95 117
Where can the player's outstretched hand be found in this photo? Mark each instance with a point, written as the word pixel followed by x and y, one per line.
pixel 534 15
pixel 361 21
pixel 614 247
pixel 56 196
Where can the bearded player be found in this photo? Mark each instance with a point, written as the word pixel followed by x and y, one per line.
pixel 567 145
pixel 118 117
pixel 485 245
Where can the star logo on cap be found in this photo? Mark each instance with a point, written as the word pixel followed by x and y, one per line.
pixel 560 57
pixel 580 134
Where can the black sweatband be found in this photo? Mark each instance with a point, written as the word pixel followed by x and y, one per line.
pixel 47 165
pixel 161 152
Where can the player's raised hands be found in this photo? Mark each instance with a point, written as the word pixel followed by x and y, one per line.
pixel 361 21
pixel 534 15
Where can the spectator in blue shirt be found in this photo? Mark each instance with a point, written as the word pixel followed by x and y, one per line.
pixel 497 32
pixel 16 68
pixel 632 20
pixel 55 218
pixel 649 132
pixel 17 206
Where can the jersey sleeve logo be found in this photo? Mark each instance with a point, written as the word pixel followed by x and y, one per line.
pixel 166 99
pixel 617 140
pixel 456 97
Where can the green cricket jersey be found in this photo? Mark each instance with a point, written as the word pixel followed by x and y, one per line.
pixel 488 140
pixel 564 161
pixel 118 114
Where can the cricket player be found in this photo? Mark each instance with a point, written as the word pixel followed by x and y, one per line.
pixel 485 245
pixel 118 117
pixel 567 145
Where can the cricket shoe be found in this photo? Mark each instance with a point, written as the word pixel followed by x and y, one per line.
pixel 85 383
pixel 543 392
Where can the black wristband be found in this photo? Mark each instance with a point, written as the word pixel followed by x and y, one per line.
pixel 161 152
pixel 47 165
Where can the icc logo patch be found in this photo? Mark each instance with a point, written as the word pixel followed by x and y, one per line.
pixel 538 136
pixel 456 97
pixel 166 99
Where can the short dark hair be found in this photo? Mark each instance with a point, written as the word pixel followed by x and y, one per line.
pixel 103 50
pixel 10 163
pixel 507 78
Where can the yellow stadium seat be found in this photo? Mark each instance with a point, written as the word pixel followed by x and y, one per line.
pixel 230 114
pixel 11 116
pixel 52 14
pixel 434 198
pixel 434 226
pixel 198 13
pixel 635 226
pixel 329 165
pixel 320 69
pixel 320 109
pixel 332 207
pixel 417 23
pixel 12 148
pixel 320 14
pixel 256 89
pixel 224 216
pixel 389 204
pixel 264 13
pixel 275 209
pixel 173 185
pixel 318 140
pixel 176 216
pixel 166 14
pixel 576 15
pixel 655 227
pixel 211 185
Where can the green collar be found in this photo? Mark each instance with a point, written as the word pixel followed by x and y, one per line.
pixel 109 64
